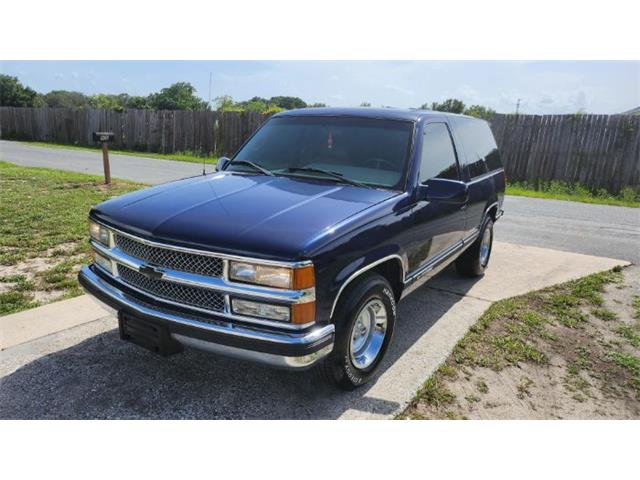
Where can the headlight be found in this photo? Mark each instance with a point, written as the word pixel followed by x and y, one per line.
pixel 99 233
pixel 261 310
pixel 279 277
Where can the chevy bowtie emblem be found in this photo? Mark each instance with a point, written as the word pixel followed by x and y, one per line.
pixel 150 272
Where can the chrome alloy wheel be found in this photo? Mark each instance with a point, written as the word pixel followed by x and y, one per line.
pixel 485 247
pixel 367 335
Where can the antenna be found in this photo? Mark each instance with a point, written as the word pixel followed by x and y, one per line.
pixel 517 106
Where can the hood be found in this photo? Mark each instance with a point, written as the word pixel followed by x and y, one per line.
pixel 277 217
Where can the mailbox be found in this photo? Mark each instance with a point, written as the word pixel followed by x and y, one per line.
pixel 103 137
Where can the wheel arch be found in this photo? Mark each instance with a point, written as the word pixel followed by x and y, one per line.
pixel 391 267
pixel 491 211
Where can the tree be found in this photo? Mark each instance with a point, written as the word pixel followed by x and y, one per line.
pixel 224 103
pixel 317 105
pixel 14 94
pixel 179 96
pixel 137 102
pixel 480 111
pixel 451 105
pixel 288 103
pixel 256 105
pixel 65 99
pixel 365 104
pixel 107 102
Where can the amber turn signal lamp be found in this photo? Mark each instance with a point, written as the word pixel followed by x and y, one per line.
pixel 304 277
pixel 303 312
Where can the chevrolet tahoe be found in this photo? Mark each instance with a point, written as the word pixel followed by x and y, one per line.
pixel 295 252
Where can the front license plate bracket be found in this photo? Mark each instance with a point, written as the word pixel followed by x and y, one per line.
pixel 150 335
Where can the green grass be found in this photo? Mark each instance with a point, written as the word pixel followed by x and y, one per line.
pixel 604 314
pixel 631 364
pixel 179 156
pixel 43 214
pixel 557 190
pixel 18 297
pixel 630 333
pixel 636 306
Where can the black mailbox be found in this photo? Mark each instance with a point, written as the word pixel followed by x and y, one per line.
pixel 103 137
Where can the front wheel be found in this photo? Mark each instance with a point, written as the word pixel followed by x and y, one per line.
pixel 474 261
pixel 364 326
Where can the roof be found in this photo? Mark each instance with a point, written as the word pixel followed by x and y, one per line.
pixel 365 112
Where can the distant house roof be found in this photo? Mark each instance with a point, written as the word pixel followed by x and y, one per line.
pixel 633 111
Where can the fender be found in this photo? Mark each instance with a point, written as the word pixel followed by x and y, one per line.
pixel 357 272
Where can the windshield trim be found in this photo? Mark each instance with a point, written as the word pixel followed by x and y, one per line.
pixel 402 185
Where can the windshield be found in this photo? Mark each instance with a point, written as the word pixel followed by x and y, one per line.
pixel 360 150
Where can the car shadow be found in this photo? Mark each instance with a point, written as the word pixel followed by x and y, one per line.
pixel 102 377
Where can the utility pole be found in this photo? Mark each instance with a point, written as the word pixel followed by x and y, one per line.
pixel 517 106
pixel 210 76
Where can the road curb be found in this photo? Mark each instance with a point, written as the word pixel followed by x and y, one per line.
pixel 38 322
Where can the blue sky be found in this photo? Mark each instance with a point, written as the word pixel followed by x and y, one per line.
pixel 542 86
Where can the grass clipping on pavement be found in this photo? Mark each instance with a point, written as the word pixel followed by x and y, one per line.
pixel 44 232
pixel 568 351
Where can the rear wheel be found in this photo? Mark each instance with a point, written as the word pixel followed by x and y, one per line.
pixel 474 261
pixel 364 325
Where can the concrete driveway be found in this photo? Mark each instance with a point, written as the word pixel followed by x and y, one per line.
pixel 85 371
pixel 570 226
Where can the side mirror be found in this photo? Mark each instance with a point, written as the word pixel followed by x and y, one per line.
pixel 222 163
pixel 444 191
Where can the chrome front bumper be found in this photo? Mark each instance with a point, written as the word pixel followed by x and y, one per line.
pixel 284 349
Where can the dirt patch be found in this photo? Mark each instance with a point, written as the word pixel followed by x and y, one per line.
pixel 42 262
pixel 42 279
pixel 567 352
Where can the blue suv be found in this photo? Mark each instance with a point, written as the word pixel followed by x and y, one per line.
pixel 295 252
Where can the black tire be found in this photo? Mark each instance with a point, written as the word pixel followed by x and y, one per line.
pixel 338 368
pixel 469 264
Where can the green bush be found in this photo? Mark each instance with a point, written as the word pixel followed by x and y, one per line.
pixel 630 194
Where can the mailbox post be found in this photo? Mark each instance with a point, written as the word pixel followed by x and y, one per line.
pixel 104 138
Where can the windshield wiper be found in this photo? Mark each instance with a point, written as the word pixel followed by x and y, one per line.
pixel 328 173
pixel 255 166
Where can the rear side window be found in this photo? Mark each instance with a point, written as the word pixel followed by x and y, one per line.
pixel 438 155
pixel 480 148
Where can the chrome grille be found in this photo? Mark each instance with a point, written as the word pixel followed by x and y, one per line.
pixel 174 292
pixel 171 259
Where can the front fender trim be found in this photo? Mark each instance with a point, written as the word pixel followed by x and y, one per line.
pixel 362 270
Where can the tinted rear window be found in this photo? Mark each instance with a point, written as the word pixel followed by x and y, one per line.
pixel 480 148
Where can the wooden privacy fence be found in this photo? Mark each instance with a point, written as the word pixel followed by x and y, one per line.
pixel 160 131
pixel 599 151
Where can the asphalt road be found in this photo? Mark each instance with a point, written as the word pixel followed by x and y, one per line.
pixel 570 226
pixel 140 169
pixel 600 230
